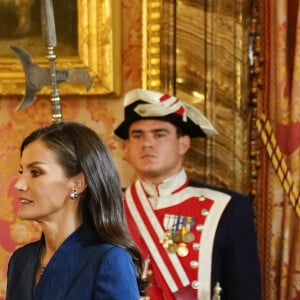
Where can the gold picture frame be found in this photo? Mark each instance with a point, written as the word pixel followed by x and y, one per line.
pixel 99 52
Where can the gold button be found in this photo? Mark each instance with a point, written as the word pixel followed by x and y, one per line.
pixel 196 246
pixel 204 212
pixel 199 227
pixel 195 284
pixel 194 264
pixel 202 198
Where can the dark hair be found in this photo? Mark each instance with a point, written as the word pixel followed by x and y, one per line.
pixel 180 132
pixel 79 149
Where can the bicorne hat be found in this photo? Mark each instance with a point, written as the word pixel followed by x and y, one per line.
pixel 142 104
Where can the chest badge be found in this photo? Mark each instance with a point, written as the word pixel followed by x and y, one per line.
pixel 178 232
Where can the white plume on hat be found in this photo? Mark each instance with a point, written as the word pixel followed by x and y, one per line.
pixel 159 105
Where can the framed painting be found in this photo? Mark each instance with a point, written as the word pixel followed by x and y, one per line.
pixel 88 37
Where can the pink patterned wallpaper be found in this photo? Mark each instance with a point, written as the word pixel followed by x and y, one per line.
pixel 96 112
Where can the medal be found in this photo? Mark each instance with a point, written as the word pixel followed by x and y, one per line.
pixel 166 240
pixel 178 233
pixel 177 237
pixel 182 250
pixel 172 248
pixel 188 237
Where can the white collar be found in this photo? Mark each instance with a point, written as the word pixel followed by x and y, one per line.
pixel 160 195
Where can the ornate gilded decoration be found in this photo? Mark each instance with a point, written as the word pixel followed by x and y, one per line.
pixel 98 51
pixel 255 64
pixel 152 14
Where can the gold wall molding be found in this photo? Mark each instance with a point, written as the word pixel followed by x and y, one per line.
pixel 152 14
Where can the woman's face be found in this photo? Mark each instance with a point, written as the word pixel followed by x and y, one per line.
pixel 44 190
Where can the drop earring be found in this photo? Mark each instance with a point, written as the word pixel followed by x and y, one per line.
pixel 74 194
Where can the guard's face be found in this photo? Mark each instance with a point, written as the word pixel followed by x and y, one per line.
pixel 155 150
pixel 44 190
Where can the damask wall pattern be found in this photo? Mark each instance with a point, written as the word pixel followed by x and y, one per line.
pixel 98 112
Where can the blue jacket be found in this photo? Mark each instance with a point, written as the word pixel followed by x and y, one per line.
pixel 235 254
pixel 82 268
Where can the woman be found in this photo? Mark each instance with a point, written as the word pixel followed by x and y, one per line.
pixel 69 185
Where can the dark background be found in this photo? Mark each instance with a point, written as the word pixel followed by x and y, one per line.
pixel 30 36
